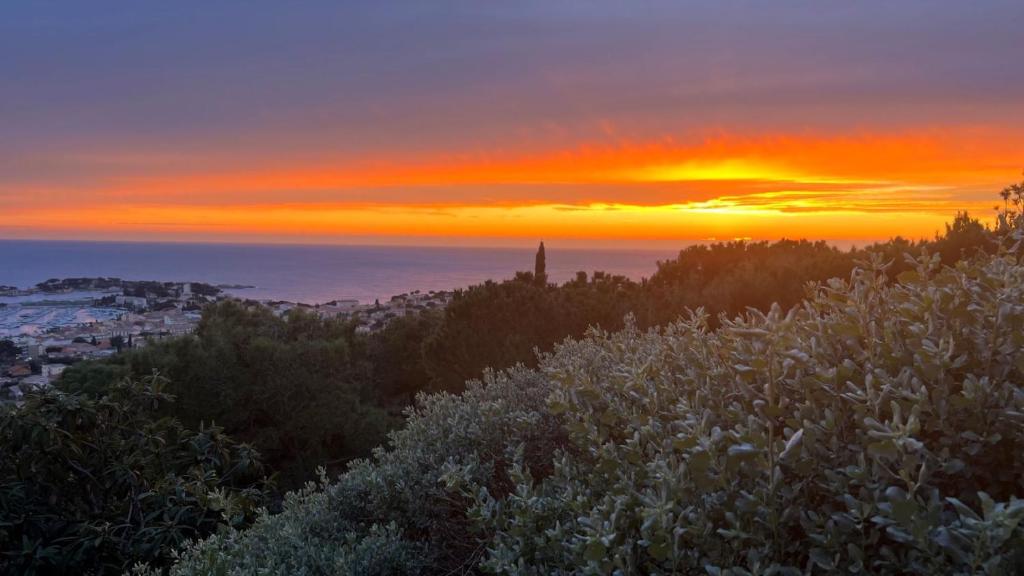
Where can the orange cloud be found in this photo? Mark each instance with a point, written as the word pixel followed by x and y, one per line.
pixel 864 186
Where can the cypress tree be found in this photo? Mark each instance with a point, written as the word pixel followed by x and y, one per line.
pixel 540 266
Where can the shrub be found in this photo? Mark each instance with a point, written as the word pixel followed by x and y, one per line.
pixel 875 428
pixel 295 388
pixel 518 316
pixel 730 277
pixel 93 484
pixel 393 515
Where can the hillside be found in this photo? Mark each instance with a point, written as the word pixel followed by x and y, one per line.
pixel 876 427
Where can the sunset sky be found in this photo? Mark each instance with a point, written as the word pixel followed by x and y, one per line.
pixel 500 123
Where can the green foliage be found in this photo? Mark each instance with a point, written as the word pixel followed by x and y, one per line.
pixel 504 324
pixel 523 315
pixel 279 383
pixel 540 274
pixel 964 237
pixel 93 484
pixel 682 449
pixel 875 428
pixel 296 388
pixel 93 377
pixel 394 514
pixel 1011 216
pixel 395 357
pixel 727 278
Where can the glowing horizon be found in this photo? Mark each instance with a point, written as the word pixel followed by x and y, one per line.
pixel 563 147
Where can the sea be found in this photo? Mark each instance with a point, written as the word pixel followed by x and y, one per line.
pixel 307 273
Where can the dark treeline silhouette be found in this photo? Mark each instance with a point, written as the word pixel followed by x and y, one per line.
pixel 499 324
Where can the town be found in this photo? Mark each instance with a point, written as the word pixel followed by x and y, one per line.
pixel 46 328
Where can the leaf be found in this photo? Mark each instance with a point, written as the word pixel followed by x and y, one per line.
pixel 792 444
pixel 903 511
pixel 684 443
pixel 987 504
pixel 963 509
pixel 899 534
pixel 822 558
pixel 885 449
pixel 660 551
pixel 743 450
pixel 954 466
pixel 908 277
pixel 1019 361
pixel 595 551
pixel 699 462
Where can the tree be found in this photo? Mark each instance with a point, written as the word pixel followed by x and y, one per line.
pixel 727 278
pixel 506 323
pixel 1012 214
pixel 8 351
pixel 964 237
pixel 540 266
pixel 300 389
pixel 395 356
pixel 94 484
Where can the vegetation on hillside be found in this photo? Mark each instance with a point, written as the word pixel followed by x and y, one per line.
pixel 521 315
pixel 874 428
pixel 296 388
pixel 94 484
pixel 280 383
pixel 501 324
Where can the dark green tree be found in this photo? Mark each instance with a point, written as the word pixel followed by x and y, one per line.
pixel 540 266
pixel 8 351
pixel 92 484
pixel 298 388
pixel 395 356
pixel 964 237
pixel 506 323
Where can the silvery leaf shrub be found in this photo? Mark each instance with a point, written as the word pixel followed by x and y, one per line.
pixel 394 514
pixel 877 428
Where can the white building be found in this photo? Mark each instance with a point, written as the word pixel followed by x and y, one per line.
pixel 132 302
pixel 337 308
pixel 51 371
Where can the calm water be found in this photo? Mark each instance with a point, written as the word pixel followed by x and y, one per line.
pixel 305 273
